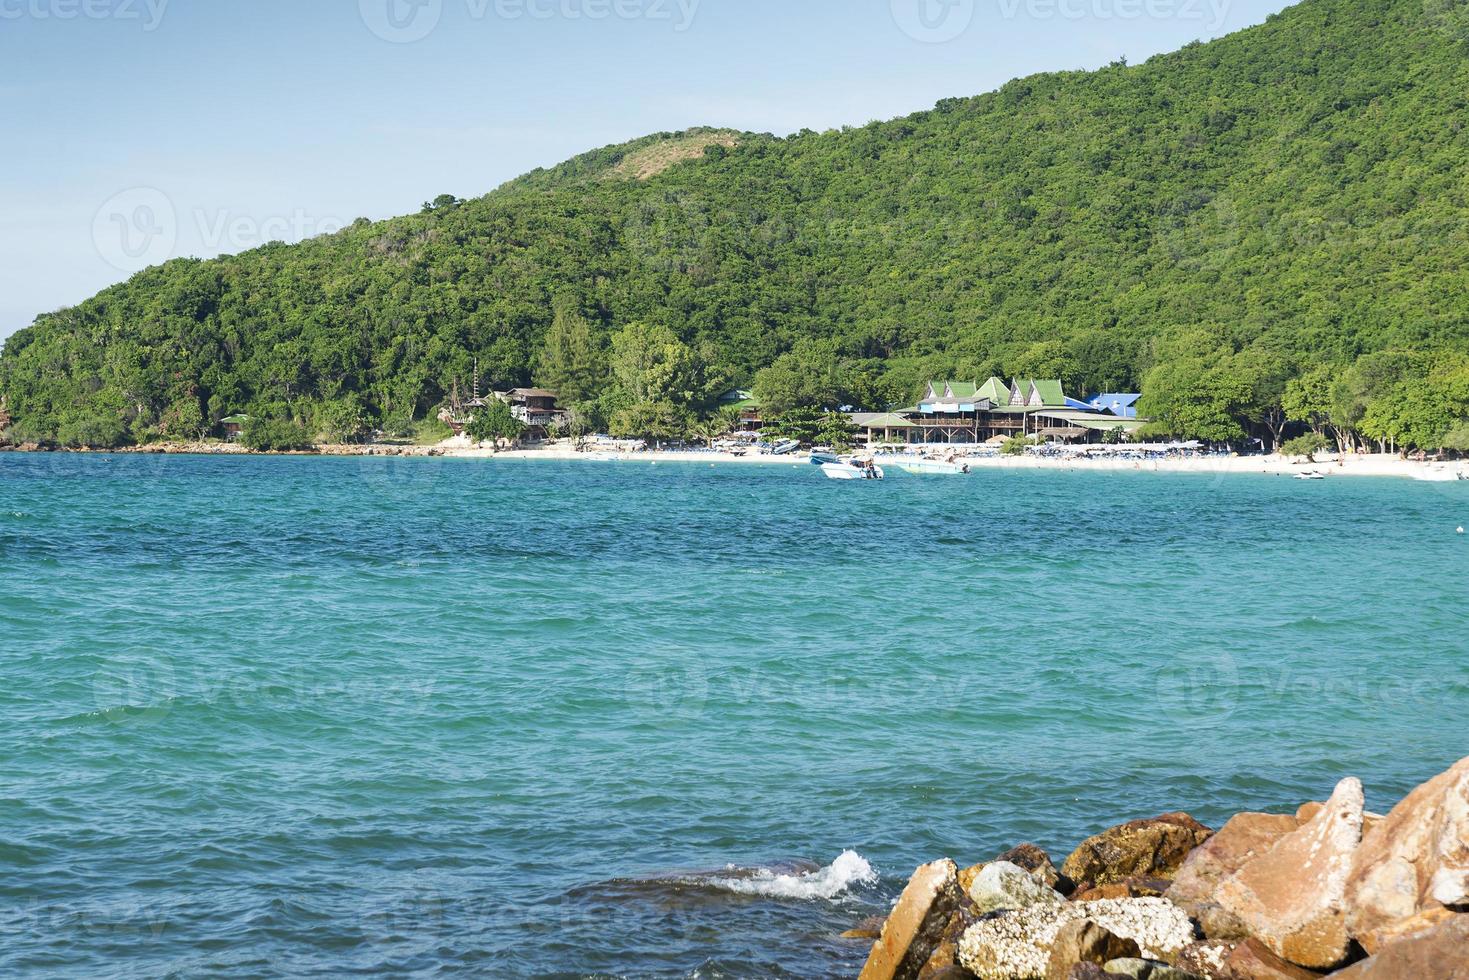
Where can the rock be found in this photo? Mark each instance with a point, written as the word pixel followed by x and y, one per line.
pixel 1204 958
pixel 1292 896
pixel 1440 954
pixel 1375 940
pixel 1083 941
pixel 1417 858
pixel 1002 885
pixel 1088 971
pixel 945 956
pixel 916 924
pixel 1140 969
pixel 1218 923
pixel 1250 960
pixel 1027 856
pixel 947 973
pixel 1143 847
pixel 1016 945
pixel 868 928
pixel 1141 887
pixel 1243 838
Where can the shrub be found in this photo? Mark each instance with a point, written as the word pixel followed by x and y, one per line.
pixel 1307 445
pixel 1016 445
pixel 274 436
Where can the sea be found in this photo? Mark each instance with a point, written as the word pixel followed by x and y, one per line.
pixel 268 717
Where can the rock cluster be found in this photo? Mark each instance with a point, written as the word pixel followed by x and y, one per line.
pixel 1329 890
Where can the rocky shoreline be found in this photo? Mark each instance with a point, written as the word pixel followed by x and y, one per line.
pixel 1330 890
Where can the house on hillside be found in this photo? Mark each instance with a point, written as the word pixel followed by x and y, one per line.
pixel 751 419
pixel 536 409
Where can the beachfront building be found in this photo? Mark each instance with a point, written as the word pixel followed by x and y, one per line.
pixel 234 427
pixel 750 418
pixel 968 413
pixel 535 408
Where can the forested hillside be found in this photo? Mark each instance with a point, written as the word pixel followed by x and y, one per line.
pixel 1232 226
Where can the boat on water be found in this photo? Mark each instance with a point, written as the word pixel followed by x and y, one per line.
pixel 835 468
pixel 922 466
pixel 1311 475
pixel 1439 474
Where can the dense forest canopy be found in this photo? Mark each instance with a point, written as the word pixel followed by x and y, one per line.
pixel 1265 228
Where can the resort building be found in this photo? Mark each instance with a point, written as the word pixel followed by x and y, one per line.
pixel 750 417
pixel 234 427
pixel 535 408
pixel 967 412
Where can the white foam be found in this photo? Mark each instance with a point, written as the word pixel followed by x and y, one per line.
pixel 847 870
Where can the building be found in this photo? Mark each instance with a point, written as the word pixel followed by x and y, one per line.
pixel 535 408
pixel 234 427
pixel 750 418
pixel 968 413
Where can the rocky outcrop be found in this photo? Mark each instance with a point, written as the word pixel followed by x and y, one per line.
pixel 1250 960
pixel 1155 847
pixel 1017 945
pixel 1136 968
pixel 1440 954
pixel 1242 839
pixel 1416 859
pixel 1142 887
pixel 1292 897
pixel 1002 885
pixel 1084 941
pixel 1027 856
pixel 916 925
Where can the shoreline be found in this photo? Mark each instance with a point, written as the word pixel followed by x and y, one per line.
pixel 1377 465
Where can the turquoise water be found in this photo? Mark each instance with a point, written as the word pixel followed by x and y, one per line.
pixel 294 716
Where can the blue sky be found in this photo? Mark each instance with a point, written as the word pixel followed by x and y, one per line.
pixel 136 130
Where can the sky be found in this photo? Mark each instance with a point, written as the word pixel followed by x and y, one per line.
pixel 134 131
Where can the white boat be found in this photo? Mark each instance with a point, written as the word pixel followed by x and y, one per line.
pixel 1438 474
pixel 931 467
pixel 1311 475
pixel 851 471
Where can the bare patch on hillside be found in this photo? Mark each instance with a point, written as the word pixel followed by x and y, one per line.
pixel 653 160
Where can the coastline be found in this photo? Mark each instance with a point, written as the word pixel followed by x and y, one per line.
pixel 1376 465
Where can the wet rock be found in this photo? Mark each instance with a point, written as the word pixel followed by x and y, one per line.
pixel 1154 847
pixel 1440 954
pixel 1141 969
pixel 1250 960
pixel 1416 859
pixel 1218 923
pixel 1245 837
pixel 1016 945
pixel 916 924
pixel 868 928
pixel 1002 885
pixel 1141 887
pixel 1083 941
pixel 945 956
pixel 1292 896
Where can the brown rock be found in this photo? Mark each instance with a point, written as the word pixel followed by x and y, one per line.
pixel 1141 887
pixel 1375 940
pixel 868 928
pixel 1250 960
pixel 1243 838
pixel 1084 941
pixel 1218 923
pixel 948 973
pixel 1205 959
pixel 1143 847
pixel 1417 858
pixel 945 957
pixel 916 924
pixel 1292 896
pixel 1089 971
pixel 1441 954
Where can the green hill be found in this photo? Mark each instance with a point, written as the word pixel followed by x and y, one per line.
pixel 1211 225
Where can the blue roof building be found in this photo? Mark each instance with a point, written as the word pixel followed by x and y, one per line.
pixel 1120 405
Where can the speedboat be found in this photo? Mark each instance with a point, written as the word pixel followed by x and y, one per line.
pixel 1438 474
pixel 931 467
pixel 1311 475
pixel 834 468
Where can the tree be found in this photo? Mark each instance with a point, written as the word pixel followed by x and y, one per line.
pixel 1266 373
pixel 1308 398
pixel 1307 445
pixel 653 367
pixel 812 427
pixel 183 419
pixel 494 422
pixel 572 362
pixel 658 421
pixel 274 435
pixel 1192 400
pixel 807 377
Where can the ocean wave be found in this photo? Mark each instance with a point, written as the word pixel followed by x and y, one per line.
pixel 846 871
